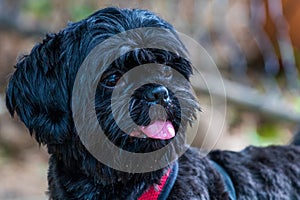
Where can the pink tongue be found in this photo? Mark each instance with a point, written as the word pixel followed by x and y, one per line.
pixel 159 130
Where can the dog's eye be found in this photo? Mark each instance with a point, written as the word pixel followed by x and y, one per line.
pixel 111 80
pixel 167 72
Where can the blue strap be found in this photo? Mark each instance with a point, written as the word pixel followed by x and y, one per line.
pixel 227 180
pixel 170 183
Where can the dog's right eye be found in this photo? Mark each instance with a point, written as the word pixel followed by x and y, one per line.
pixel 111 80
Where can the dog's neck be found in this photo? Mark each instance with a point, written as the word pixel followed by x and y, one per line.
pixel 166 184
pixel 77 177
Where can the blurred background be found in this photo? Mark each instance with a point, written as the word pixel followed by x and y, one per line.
pixel 255 44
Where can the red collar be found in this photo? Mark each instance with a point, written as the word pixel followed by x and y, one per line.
pixel 162 190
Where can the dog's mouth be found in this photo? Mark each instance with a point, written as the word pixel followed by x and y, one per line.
pixel 161 130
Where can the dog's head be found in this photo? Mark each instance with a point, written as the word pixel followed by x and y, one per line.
pixel 160 105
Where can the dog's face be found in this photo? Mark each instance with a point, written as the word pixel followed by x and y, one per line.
pixel 151 98
pixel 159 107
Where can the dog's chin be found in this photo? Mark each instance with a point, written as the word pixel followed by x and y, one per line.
pixel 144 138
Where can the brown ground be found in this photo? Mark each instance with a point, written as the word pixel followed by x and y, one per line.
pixel 23 164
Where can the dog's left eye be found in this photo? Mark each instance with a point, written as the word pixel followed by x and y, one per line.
pixel 111 80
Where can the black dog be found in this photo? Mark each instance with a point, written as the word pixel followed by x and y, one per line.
pixel 41 93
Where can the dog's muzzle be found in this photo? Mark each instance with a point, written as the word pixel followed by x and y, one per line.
pixel 155 99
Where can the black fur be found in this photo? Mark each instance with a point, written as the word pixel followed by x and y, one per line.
pixel 40 93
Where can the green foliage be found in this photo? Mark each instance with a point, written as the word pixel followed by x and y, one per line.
pixel 297 104
pixel 39 8
pixel 268 134
pixel 44 8
pixel 297 56
pixel 80 11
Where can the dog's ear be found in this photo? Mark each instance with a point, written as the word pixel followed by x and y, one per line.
pixel 38 92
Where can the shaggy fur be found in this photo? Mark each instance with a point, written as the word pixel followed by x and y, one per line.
pixel 40 93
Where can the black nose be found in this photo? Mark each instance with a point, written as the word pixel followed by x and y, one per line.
pixel 157 95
